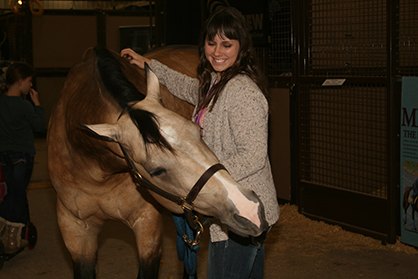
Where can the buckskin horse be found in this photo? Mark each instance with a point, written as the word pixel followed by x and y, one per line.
pixel 104 136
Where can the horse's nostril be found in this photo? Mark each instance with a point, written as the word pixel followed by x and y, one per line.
pixel 262 215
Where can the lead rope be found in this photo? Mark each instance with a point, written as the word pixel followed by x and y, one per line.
pixel 185 252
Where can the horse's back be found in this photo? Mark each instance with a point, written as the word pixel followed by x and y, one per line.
pixel 182 58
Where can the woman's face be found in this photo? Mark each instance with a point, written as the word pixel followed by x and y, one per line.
pixel 25 85
pixel 221 52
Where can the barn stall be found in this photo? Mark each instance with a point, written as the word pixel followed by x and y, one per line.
pixel 334 147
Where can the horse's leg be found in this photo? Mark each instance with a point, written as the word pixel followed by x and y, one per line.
pixel 148 230
pixel 80 239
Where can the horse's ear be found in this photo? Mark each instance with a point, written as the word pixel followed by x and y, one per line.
pixel 153 85
pixel 109 132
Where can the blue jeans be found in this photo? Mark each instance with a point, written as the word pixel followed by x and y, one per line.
pixel 235 258
pixel 17 169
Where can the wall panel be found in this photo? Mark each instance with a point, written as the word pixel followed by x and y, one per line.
pixel 112 28
pixel 49 89
pixel 279 141
pixel 60 40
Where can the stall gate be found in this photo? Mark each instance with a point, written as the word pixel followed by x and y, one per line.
pixel 350 55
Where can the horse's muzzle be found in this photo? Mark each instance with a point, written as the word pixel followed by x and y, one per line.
pixel 244 227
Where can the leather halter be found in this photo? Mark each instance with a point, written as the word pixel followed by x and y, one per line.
pixel 186 203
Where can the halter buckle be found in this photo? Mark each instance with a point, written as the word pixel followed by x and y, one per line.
pixel 136 174
pixel 185 205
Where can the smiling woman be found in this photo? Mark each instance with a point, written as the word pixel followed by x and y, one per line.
pixel 231 109
pixel 221 53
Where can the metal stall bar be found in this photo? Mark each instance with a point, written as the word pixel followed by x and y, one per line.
pixel 408 38
pixel 343 102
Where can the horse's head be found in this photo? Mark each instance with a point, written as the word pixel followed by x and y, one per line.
pixel 167 150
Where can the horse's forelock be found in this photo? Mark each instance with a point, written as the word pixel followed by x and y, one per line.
pixel 148 127
pixel 125 93
pixel 113 78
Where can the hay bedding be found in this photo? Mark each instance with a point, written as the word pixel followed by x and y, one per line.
pixel 296 231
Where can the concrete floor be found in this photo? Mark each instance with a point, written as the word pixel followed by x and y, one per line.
pixel 293 250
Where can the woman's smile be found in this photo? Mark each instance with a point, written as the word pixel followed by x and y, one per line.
pixel 221 52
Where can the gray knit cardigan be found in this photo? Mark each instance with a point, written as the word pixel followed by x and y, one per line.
pixel 236 130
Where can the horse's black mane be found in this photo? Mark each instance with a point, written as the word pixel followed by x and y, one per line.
pixel 125 93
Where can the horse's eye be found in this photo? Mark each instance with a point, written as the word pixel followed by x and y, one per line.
pixel 158 171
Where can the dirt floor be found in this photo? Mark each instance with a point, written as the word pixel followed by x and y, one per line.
pixel 304 248
pixel 296 247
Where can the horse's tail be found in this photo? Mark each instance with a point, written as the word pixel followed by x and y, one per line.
pixel 113 78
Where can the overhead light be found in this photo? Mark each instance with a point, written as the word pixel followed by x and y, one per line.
pixel 20 2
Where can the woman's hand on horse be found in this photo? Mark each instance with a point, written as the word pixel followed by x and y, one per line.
pixel 135 58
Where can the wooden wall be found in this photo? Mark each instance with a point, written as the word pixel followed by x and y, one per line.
pixel 279 142
pixel 59 41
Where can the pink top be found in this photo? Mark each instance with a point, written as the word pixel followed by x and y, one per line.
pixel 200 116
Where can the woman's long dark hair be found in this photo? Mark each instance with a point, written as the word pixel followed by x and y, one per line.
pixel 230 23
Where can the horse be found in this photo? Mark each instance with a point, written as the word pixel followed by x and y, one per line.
pixel 406 202
pixel 113 127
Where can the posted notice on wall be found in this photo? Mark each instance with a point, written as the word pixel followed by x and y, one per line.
pixel 409 161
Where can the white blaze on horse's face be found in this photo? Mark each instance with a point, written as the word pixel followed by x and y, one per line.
pixel 176 172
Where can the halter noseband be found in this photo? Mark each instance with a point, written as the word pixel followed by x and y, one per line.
pixel 186 203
